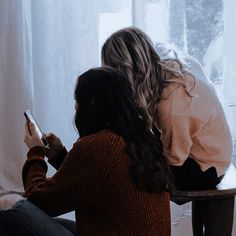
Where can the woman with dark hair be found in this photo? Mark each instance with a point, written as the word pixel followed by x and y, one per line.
pixel 180 103
pixel 115 176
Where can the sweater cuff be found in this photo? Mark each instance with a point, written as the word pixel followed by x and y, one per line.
pixel 57 161
pixel 36 151
pixel 31 162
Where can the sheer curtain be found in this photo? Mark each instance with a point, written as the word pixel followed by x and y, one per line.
pixel 16 88
pixel 46 44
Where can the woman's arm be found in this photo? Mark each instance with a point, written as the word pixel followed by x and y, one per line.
pixel 176 133
pixel 56 153
pixel 72 187
pixel 57 160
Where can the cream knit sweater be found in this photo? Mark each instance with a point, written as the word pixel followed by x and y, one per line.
pixel 193 124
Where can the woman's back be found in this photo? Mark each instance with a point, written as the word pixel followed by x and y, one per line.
pixel 118 207
pixel 193 124
pixel 115 176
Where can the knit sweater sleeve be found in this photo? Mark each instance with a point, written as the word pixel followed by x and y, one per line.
pixel 177 133
pixel 72 187
pixel 57 161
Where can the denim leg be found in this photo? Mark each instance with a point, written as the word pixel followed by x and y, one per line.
pixel 70 225
pixel 4 232
pixel 24 218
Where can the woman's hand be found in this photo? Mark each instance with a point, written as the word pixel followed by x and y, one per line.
pixel 55 145
pixel 31 137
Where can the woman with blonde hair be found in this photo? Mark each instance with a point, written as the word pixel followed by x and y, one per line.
pixel 182 108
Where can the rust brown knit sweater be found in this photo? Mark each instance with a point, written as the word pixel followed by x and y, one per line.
pixel 94 181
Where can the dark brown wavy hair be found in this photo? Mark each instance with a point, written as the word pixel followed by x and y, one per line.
pixel 106 101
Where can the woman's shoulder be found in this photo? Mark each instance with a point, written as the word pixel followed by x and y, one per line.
pixel 104 134
pixel 188 85
pixel 103 139
pixel 100 150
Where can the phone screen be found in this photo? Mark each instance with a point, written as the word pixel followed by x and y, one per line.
pixel 29 117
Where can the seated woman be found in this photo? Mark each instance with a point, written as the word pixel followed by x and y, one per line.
pixel 115 177
pixel 180 102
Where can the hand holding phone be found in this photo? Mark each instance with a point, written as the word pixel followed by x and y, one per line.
pixel 55 144
pixel 29 117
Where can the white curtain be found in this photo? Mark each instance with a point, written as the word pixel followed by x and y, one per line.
pixel 46 44
pixel 15 88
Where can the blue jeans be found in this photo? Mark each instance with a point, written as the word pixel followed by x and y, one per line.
pixel 24 218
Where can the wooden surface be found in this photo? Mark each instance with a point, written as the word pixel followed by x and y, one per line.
pixel 212 210
pixel 227 188
pixel 213 217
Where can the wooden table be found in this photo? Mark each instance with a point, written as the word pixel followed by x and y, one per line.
pixel 212 210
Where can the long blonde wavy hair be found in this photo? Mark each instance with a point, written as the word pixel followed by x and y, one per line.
pixel 131 51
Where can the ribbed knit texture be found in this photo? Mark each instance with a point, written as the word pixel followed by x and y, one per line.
pixel 94 181
pixel 194 125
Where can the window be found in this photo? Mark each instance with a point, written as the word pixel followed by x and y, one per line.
pixel 200 28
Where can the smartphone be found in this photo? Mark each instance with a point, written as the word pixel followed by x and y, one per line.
pixel 30 118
